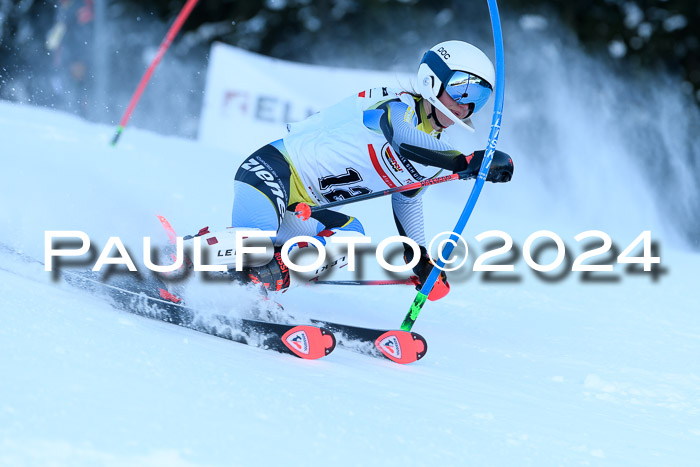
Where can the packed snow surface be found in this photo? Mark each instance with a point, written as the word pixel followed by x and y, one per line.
pixel 524 371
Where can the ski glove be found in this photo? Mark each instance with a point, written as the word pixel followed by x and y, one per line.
pixel 501 170
pixel 422 271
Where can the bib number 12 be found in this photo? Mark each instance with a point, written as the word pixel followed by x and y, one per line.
pixel 337 187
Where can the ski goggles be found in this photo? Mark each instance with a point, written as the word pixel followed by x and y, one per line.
pixel 465 88
pixel 462 87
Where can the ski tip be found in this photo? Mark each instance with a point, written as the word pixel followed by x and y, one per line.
pixel 309 342
pixel 402 346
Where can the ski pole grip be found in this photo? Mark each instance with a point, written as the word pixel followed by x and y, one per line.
pixel 465 175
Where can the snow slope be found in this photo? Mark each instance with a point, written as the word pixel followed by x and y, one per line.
pixel 523 372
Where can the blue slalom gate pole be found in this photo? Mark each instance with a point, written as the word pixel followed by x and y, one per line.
pixel 422 296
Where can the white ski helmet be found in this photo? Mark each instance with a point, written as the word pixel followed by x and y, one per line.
pixel 462 70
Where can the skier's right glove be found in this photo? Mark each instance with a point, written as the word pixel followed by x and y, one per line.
pixel 422 271
pixel 501 170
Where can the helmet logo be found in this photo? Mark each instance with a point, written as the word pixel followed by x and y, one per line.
pixel 444 53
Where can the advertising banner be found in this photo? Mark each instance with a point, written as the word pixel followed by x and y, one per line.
pixel 249 98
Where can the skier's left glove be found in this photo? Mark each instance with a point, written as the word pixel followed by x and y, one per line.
pixel 501 170
pixel 422 271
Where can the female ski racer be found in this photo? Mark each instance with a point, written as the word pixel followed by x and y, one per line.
pixel 377 139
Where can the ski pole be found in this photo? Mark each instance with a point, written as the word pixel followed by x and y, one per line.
pixel 410 281
pixel 304 211
pixel 172 32
pixel 422 296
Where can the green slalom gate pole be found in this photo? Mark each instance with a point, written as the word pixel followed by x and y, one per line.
pixel 422 296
